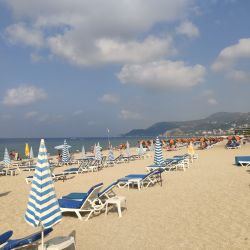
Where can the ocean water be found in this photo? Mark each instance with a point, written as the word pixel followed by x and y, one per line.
pixel 18 144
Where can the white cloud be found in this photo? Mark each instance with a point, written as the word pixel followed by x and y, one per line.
pixel 83 34
pixel 188 28
pixel 107 50
pixel 23 95
pixel 20 33
pixel 162 74
pixel 31 114
pixel 129 115
pixel 212 101
pixel 109 98
pixel 229 59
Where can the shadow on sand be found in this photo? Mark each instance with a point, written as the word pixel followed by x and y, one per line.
pixel 4 194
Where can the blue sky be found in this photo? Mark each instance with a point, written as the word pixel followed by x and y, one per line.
pixel 76 68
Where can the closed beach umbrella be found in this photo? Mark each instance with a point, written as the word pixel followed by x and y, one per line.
pixel 83 152
pixel 191 148
pixel 158 158
pixel 127 149
pixel 6 158
pixel 65 152
pixel 42 209
pixel 98 153
pixel 31 153
pixel 111 154
pixel 141 150
pixel 27 150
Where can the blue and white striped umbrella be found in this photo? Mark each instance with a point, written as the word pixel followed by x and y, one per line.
pixel 31 153
pixel 42 209
pixel 111 154
pixel 6 158
pixel 65 153
pixel 127 149
pixel 158 159
pixel 98 153
pixel 83 152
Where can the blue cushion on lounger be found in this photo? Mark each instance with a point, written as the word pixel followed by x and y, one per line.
pixel 80 196
pixel 108 188
pixel 241 158
pixel 92 188
pixel 5 236
pixel 75 196
pixel 64 203
pixel 136 176
pixel 71 170
pixel 11 244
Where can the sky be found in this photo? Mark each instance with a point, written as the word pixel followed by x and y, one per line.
pixel 76 68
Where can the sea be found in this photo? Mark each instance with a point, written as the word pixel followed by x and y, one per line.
pixel 76 143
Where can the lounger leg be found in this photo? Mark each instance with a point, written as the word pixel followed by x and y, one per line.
pixel 89 215
pixel 119 209
pixel 78 215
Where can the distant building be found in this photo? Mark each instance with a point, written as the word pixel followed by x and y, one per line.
pixel 242 131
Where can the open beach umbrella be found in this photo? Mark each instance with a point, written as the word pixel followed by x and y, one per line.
pixel 83 152
pixel 111 154
pixel 31 153
pixel 6 158
pixel 65 152
pixel 158 158
pixel 127 149
pixel 98 153
pixel 42 209
pixel 27 150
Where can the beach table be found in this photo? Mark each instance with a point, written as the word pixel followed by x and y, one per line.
pixel 59 243
pixel 118 201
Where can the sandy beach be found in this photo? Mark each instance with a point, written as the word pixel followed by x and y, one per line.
pixel 205 207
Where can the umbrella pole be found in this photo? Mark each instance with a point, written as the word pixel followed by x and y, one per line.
pixel 42 238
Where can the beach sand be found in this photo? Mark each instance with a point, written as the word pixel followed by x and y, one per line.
pixel 205 207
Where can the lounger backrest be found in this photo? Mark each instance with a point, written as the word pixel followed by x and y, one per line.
pixel 83 165
pixel 92 194
pixel 150 174
pixel 107 189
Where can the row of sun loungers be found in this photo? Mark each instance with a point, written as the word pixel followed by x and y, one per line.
pixel 94 201
pixel 178 162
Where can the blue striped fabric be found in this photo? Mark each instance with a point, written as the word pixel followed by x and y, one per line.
pixel 111 154
pixel 6 158
pixel 158 158
pixel 127 149
pixel 43 208
pixel 98 153
pixel 65 152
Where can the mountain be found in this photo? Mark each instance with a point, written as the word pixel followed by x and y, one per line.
pixel 220 120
